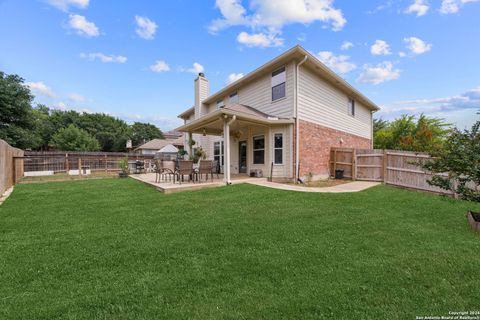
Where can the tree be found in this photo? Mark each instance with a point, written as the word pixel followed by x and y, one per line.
pixel 16 119
pixel 142 132
pixel 460 161
pixel 409 133
pixel 73 138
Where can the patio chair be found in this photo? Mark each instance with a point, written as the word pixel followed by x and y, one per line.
pixel 169 170
pixel 206 168
pixel 185 168
pixel 158 170
pixel 215 168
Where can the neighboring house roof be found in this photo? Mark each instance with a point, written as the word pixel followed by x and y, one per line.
pixel 299 53
pixel 168 149
pixel 172 135
pixel 157 144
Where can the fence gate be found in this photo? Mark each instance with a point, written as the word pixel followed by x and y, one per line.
pixel 394 167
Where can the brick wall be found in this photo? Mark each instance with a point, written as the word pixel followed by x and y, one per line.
pixel 315 144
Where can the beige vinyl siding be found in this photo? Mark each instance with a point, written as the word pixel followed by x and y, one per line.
pixel 320 102
pixel 285 169
pixel 258 94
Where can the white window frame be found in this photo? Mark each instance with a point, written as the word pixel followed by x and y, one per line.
pixel 278 80
pixel 351 107
pixel 233 94
pixel 275 148
pixel 253 149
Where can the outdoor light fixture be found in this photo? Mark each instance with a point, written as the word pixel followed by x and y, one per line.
pixel 204 132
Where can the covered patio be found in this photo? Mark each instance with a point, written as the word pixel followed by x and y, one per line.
pixel 247 136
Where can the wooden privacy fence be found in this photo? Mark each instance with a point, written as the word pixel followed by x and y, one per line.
pixel 57 162
pixel 11 168
pixel 394 167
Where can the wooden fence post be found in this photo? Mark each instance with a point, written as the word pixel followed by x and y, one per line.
pixel 354 164
pixel 334 162
pixel 106 164
pixel 67 165
pixel 385 164
pixel 79 166
pixel 14 170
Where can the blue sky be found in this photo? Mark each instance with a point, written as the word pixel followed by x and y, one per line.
pixel 137 59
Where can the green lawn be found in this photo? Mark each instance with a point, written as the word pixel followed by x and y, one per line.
pixel 117 249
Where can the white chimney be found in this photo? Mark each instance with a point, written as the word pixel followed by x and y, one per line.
pixel 202 89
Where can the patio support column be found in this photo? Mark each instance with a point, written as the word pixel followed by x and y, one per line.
pixel 190 148
pixel 226 139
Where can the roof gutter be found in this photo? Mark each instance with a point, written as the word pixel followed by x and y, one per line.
pixel 297 129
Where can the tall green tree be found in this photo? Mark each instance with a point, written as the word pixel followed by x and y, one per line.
pixel 142 132
pixel 73 138
pixel 16 119
pixel 422 134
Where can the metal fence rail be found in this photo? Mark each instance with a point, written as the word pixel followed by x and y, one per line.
pixel 58 162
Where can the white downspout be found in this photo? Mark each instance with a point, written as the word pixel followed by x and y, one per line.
pixel 297 129
pixel 226 138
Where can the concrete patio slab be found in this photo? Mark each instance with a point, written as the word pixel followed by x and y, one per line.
pixel 168 187
pixel 354 186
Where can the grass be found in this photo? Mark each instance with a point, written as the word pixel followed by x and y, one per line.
pixel 117 249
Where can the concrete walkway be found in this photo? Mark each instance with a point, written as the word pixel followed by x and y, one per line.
pixel 354 186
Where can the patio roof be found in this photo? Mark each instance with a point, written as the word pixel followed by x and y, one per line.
pixel 212 123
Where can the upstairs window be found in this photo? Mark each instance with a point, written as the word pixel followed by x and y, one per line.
pixel 278 148
pixel 351 107
pixel 278 84
pixel 233 98
pixel 259 150
pixel 220 104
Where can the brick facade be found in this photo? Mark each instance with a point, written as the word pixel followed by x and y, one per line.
pixel 315 144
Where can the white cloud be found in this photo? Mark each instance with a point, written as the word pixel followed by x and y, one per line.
pixel 267 18
pixel 416 45
pixel 380 73
pixel 65 4
pixel 340 64
pixel 76 97
pixel 346 45
pixel 40 88
pixel 418 7
pixel 160 66
pixel 466 100
pixel 196 68
pixel 259 40
pixel 82 26
pixel 103 57
pixel 302 37
pixel 402 54
pixel 380 47
pixel 61 106
pixel 453 6
pixel 232 77
pixel 146 28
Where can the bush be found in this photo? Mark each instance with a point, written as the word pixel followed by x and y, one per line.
pixel 72 138
pixel 460 160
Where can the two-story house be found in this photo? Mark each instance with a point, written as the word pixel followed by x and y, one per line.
pixel 281 118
